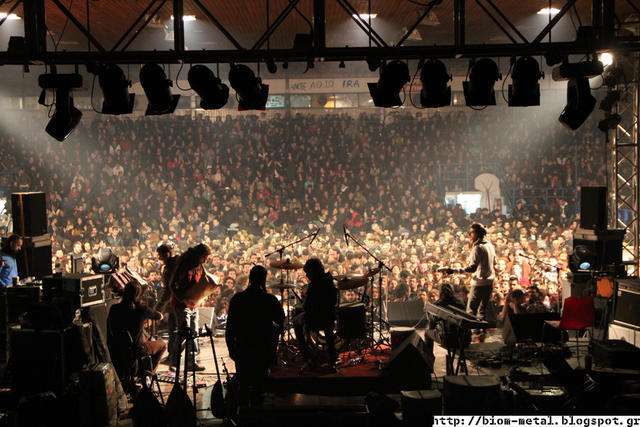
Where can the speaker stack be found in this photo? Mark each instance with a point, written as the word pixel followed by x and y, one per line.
pixel 596 249
pixel 29 215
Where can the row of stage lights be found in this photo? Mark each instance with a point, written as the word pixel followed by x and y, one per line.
pixel 252 94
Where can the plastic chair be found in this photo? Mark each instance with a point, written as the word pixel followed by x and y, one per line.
pixel 578 314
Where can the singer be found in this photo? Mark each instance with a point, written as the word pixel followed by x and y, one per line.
pixel 482 269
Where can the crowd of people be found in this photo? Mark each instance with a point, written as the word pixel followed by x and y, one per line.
pixel 246 185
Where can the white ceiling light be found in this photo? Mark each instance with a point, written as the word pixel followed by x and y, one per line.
pixel 606 58
pixel 365 16
pixel 186 18
pixel 11 17
pixel 548 11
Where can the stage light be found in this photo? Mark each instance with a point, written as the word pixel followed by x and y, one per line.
pixel 186 18
pixel 435 91
pixel 212 92
pixel 105 262
pixel 548 11
pixel 10 17
pixel 525 90
pixel 610 100
pixel 156 87
pixel 610 122
pixel 580 103
pixel 114 84
pixel 252 94
pixel 393 77
pixel 365 16
pixel 271 65
pixel 478 91
pixel 373 63
pixel 581 259
pixel 65 117
pixel 606 58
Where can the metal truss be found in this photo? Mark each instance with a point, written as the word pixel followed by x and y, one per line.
pixel 602 38
pixel 624 165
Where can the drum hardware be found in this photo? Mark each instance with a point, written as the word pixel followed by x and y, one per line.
pixel 287 343
pixel 382 324
pixel 287 264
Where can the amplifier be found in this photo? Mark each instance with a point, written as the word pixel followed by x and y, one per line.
pixel 615 354
pixel 83 289
pixel 19 300
pixel 627 302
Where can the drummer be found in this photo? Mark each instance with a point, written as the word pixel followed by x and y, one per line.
pixel 319 310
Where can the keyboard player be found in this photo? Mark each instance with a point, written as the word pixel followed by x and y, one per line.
pixel 436 327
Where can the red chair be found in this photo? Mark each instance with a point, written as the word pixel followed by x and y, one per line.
pixel 578 314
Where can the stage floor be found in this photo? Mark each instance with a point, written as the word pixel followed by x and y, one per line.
pixel 287 380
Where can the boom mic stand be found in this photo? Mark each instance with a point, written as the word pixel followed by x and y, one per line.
pixel 556 267
pixel 280 250
pixel 285 337
pixel 382 324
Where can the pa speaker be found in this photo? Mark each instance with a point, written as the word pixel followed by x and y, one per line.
pixel 410 313
pixel 34 260
pixel 29 213
pixel 593 208
pixel 411 363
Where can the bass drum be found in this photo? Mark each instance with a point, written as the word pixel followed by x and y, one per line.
pixel 317 343
pixel 350 334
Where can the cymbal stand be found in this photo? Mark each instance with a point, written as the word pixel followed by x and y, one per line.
pixel 382 324
pixel 285 338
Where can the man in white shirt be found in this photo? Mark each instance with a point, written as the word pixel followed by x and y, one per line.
pixel 482 269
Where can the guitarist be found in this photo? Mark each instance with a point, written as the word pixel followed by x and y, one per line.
pixel 180 275
pixel 482 270
pixel 254 323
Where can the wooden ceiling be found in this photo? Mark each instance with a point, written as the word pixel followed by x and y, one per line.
pixel 246 20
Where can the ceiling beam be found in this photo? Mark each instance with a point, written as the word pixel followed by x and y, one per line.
pixel 327 54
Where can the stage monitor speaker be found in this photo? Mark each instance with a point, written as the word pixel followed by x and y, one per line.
pixel 34 260
pixel 29 213
pixel 410 313
pixel 471 394
pixel 411 364
pixel 530 327
pixel 593 208
pixel 627 301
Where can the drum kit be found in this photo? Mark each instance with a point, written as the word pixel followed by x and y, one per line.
pixel 352 332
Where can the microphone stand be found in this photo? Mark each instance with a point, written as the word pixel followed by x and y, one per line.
pixel 285 337
pixel 382 324
pixel 556 267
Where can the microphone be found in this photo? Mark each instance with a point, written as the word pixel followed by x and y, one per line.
pixel 346 235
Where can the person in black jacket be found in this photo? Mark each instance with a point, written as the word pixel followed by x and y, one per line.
pixel 319 309
pixel 129 316
pixel 254 323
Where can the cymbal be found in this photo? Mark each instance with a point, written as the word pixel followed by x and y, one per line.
pixel 281 286
pixel 350 281
pixel 286 264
